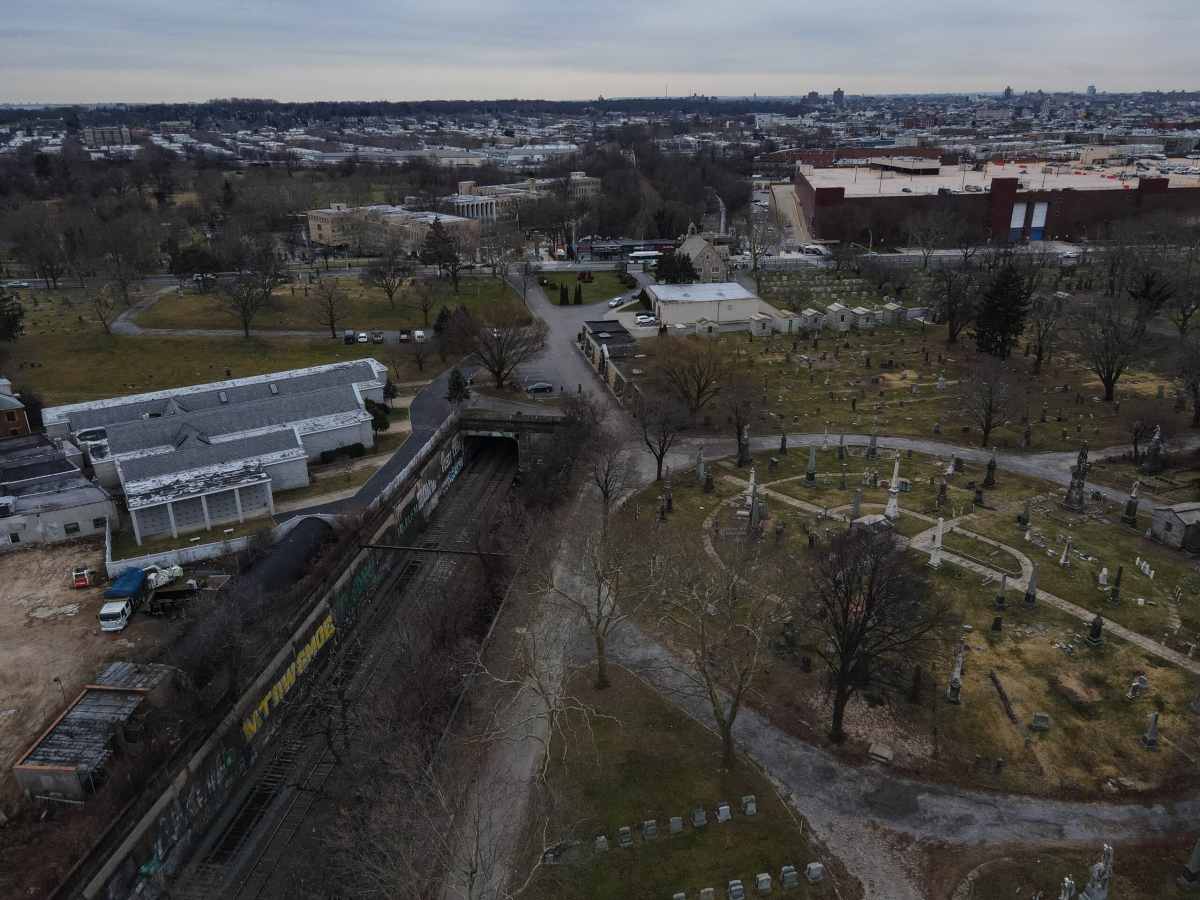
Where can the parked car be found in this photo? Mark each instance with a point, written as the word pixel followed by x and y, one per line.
pixel 419 336
pixel 348 336
pixel 645 319
pixel 364 338
pixel 377 336
pixel 405 335
pixel 615 302
pixel 18 284
pixel 540 387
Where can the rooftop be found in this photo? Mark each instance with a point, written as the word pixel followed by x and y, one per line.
pixel 214 395
pixel 865 182
pixel 699 293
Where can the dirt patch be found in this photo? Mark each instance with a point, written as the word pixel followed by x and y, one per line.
pixel 50 631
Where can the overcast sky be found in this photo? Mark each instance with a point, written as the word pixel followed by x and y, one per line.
pixel 147 50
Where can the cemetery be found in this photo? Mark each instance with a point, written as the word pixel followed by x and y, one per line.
pixel 655 816
pixel 1027 695
pixel 904 380
pixel 1142 872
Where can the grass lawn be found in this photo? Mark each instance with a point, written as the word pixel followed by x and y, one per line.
pixel 603 287
pixel 1108 544
pixel 366 307
pixel 332 483
pixel 1092 747
pixel 70 368
pixel 655 763
pixel 1178 484
pixel 124 545
pixel 1139 873
pixel 797 398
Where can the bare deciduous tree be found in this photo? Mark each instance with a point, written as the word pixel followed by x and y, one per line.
pixel 249 292
pixel 104 305
pixel 988 396
pixel 661 422
pixel 508 342
pixel 1110 333
pixel 929 230
pixel 1045 317
pixel 723 625
pixel 328 303
pixel 956 300
pixel 390 270
pixel 871 611
pixel 694 368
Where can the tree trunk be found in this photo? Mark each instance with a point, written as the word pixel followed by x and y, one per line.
pixel 1196 412
pixel 333 329
pixel 728 751
pixel 1038 353
pixel 601 663
pixel 246 328
pixel 841 697
pixel 1110 388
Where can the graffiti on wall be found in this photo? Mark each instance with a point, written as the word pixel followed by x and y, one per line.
pixel 275 694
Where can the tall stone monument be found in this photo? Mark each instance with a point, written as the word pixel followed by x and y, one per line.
pixel 892 511
pixel 1100 877
pixel 1129 514
pixel 1075 500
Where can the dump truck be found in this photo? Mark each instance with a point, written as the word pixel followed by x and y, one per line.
pixel 123 597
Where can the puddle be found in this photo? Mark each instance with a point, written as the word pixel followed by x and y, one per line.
pixel 53 612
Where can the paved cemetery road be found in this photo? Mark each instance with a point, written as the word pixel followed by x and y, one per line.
pixel 840 799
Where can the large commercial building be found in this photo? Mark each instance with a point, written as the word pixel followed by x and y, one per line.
pixel 105 135
pixel 1003 203
pixel 193 458
pixel 492 202
pixel 343 226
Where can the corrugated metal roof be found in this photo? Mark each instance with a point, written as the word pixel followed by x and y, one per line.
pixel 195 454
pixel 195 398
pixel 263 413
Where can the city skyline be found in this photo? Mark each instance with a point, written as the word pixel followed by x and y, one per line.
pixel 148 51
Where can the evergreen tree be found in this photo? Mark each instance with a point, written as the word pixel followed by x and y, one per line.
pixel 458 390
pixel 675 268
pixel 442 322
pixel 578 294
pixel 12 318
pixel 440 250
pixel 1001 317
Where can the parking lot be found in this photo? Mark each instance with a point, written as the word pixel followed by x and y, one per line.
pixel 49 631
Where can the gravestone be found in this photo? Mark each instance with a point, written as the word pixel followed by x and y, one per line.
pixel 1031 590
pixel 1137 687
pixel 701 471
pixel 708 894
pixel 762 883
pixel 624 836
pixel 978 500
pixel 790 878
pixel 1129 513
pixel 736 890
pixel 856 505
pixel 1041 722
pixel 699 817
pixel 1075 500
pixel 810 474
pixel 709 485
pixel 1001 594
pixel 954 688
pixel 1023 517
pixel 676 824
pixel 601 843
pixel 1095 636
pixel 1150 738
pixel 679 895
pixel 649 830
pixel 935 556
pixel 1114 596
pixel 814 872
pixel 1068 889
pixel 989 480
pixel 749 805
pixel 998 624
pixel 1100 877
pixel 724 813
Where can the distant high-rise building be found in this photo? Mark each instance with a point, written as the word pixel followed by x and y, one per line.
pixel 1091 90
pixel 813 95
pixel 839 98
pixel 1008 92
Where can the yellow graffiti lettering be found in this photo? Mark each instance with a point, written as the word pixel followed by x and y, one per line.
pixel 279 690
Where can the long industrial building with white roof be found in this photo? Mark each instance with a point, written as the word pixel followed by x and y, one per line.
pixel 196 457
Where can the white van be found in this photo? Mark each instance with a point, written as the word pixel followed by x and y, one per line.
pixel 419 336
pixel 114 615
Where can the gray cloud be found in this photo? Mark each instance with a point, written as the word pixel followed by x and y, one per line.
pixel 299 49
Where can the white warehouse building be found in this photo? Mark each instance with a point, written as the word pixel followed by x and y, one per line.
pixel 193 458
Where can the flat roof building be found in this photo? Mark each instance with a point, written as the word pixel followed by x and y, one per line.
pixel 44 497
pixel 191 458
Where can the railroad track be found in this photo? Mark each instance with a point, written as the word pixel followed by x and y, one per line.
pixel 247 851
